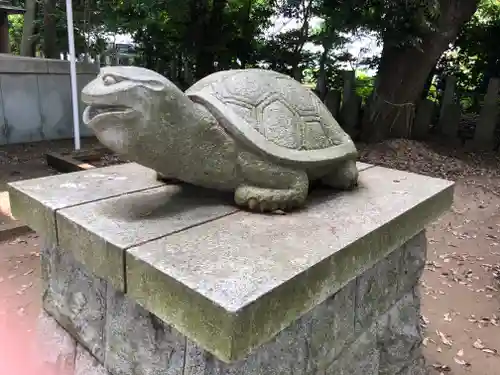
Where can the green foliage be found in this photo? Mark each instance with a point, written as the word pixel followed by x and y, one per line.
pixel 475 57
pixel 15 32
pixel 364 85
pixel 398 23
pixel 172 33
pixel 188 39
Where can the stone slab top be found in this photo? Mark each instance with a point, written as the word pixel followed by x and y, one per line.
pixel 35 201
pixel 228 279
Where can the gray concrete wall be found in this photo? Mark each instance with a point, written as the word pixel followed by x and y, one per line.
pixel 35 98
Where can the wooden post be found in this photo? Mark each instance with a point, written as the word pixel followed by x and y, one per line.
pixel 6 8
pixel 4 32
pixel 349 115
pixel 485 128
pixel 448 96
pixel 349 85
pixel 423 119
pixel 450 118
pixel 332 102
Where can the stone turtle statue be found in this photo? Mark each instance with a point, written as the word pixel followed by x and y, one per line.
pixel 257 133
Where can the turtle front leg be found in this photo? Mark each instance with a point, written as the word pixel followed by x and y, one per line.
pixel 343 177
pixel 268 187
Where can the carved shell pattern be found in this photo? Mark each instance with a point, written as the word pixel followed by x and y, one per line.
pixel 279 107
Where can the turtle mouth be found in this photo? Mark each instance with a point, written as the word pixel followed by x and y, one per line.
pixel 96 112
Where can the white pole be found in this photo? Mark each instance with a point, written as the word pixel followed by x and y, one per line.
pixel 72 65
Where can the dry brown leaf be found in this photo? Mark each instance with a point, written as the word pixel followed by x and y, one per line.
pixel 17 241
pixel 461 362
pixel 30 271
pixel 490 351
pixel 460 353
pixel 478 344
pixel 441 368
pixel 424 321
pixel 444 339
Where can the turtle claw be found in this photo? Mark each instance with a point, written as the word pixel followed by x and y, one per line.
pixel 253 204
pixel 265 206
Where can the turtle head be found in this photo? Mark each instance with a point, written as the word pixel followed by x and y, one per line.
pixel 122 100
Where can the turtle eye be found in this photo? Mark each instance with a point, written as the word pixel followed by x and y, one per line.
pixel 109 80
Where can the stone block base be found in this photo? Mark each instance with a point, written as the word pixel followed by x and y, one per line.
pixel 369 327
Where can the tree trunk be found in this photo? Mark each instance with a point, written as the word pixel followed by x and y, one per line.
pixel 247 31
pixel 28 28
pixel 207 50
pixel 403 72
pixel 428 84
pixel 50 49
pixel 4 32
pixel 303 36
pixel 321 84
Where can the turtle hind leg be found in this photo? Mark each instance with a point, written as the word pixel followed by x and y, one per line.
pixel 268 187
pixel 343 176
pixel 268 200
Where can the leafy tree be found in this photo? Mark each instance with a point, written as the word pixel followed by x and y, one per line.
pixel 15 32
pixel 187 40
pixel 414 34
pixel 475 57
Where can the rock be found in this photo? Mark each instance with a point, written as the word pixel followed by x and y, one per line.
pixel 85 364
pixel 55 349
pixel 76 299
pixel 290 135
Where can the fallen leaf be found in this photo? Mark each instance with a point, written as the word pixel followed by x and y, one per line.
pixel 445 340
pixel 461 362
pixel 28 272
pixel 478 344
pixel 424 322
pixel 490 351
pixel 460 353
pixel 17 241
pixel 442 368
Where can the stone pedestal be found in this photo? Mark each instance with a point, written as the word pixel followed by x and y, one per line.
pixel 149 279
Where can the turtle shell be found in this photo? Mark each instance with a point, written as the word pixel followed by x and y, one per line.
pixel 272 111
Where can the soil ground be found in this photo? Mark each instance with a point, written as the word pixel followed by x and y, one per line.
pixel 460 286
